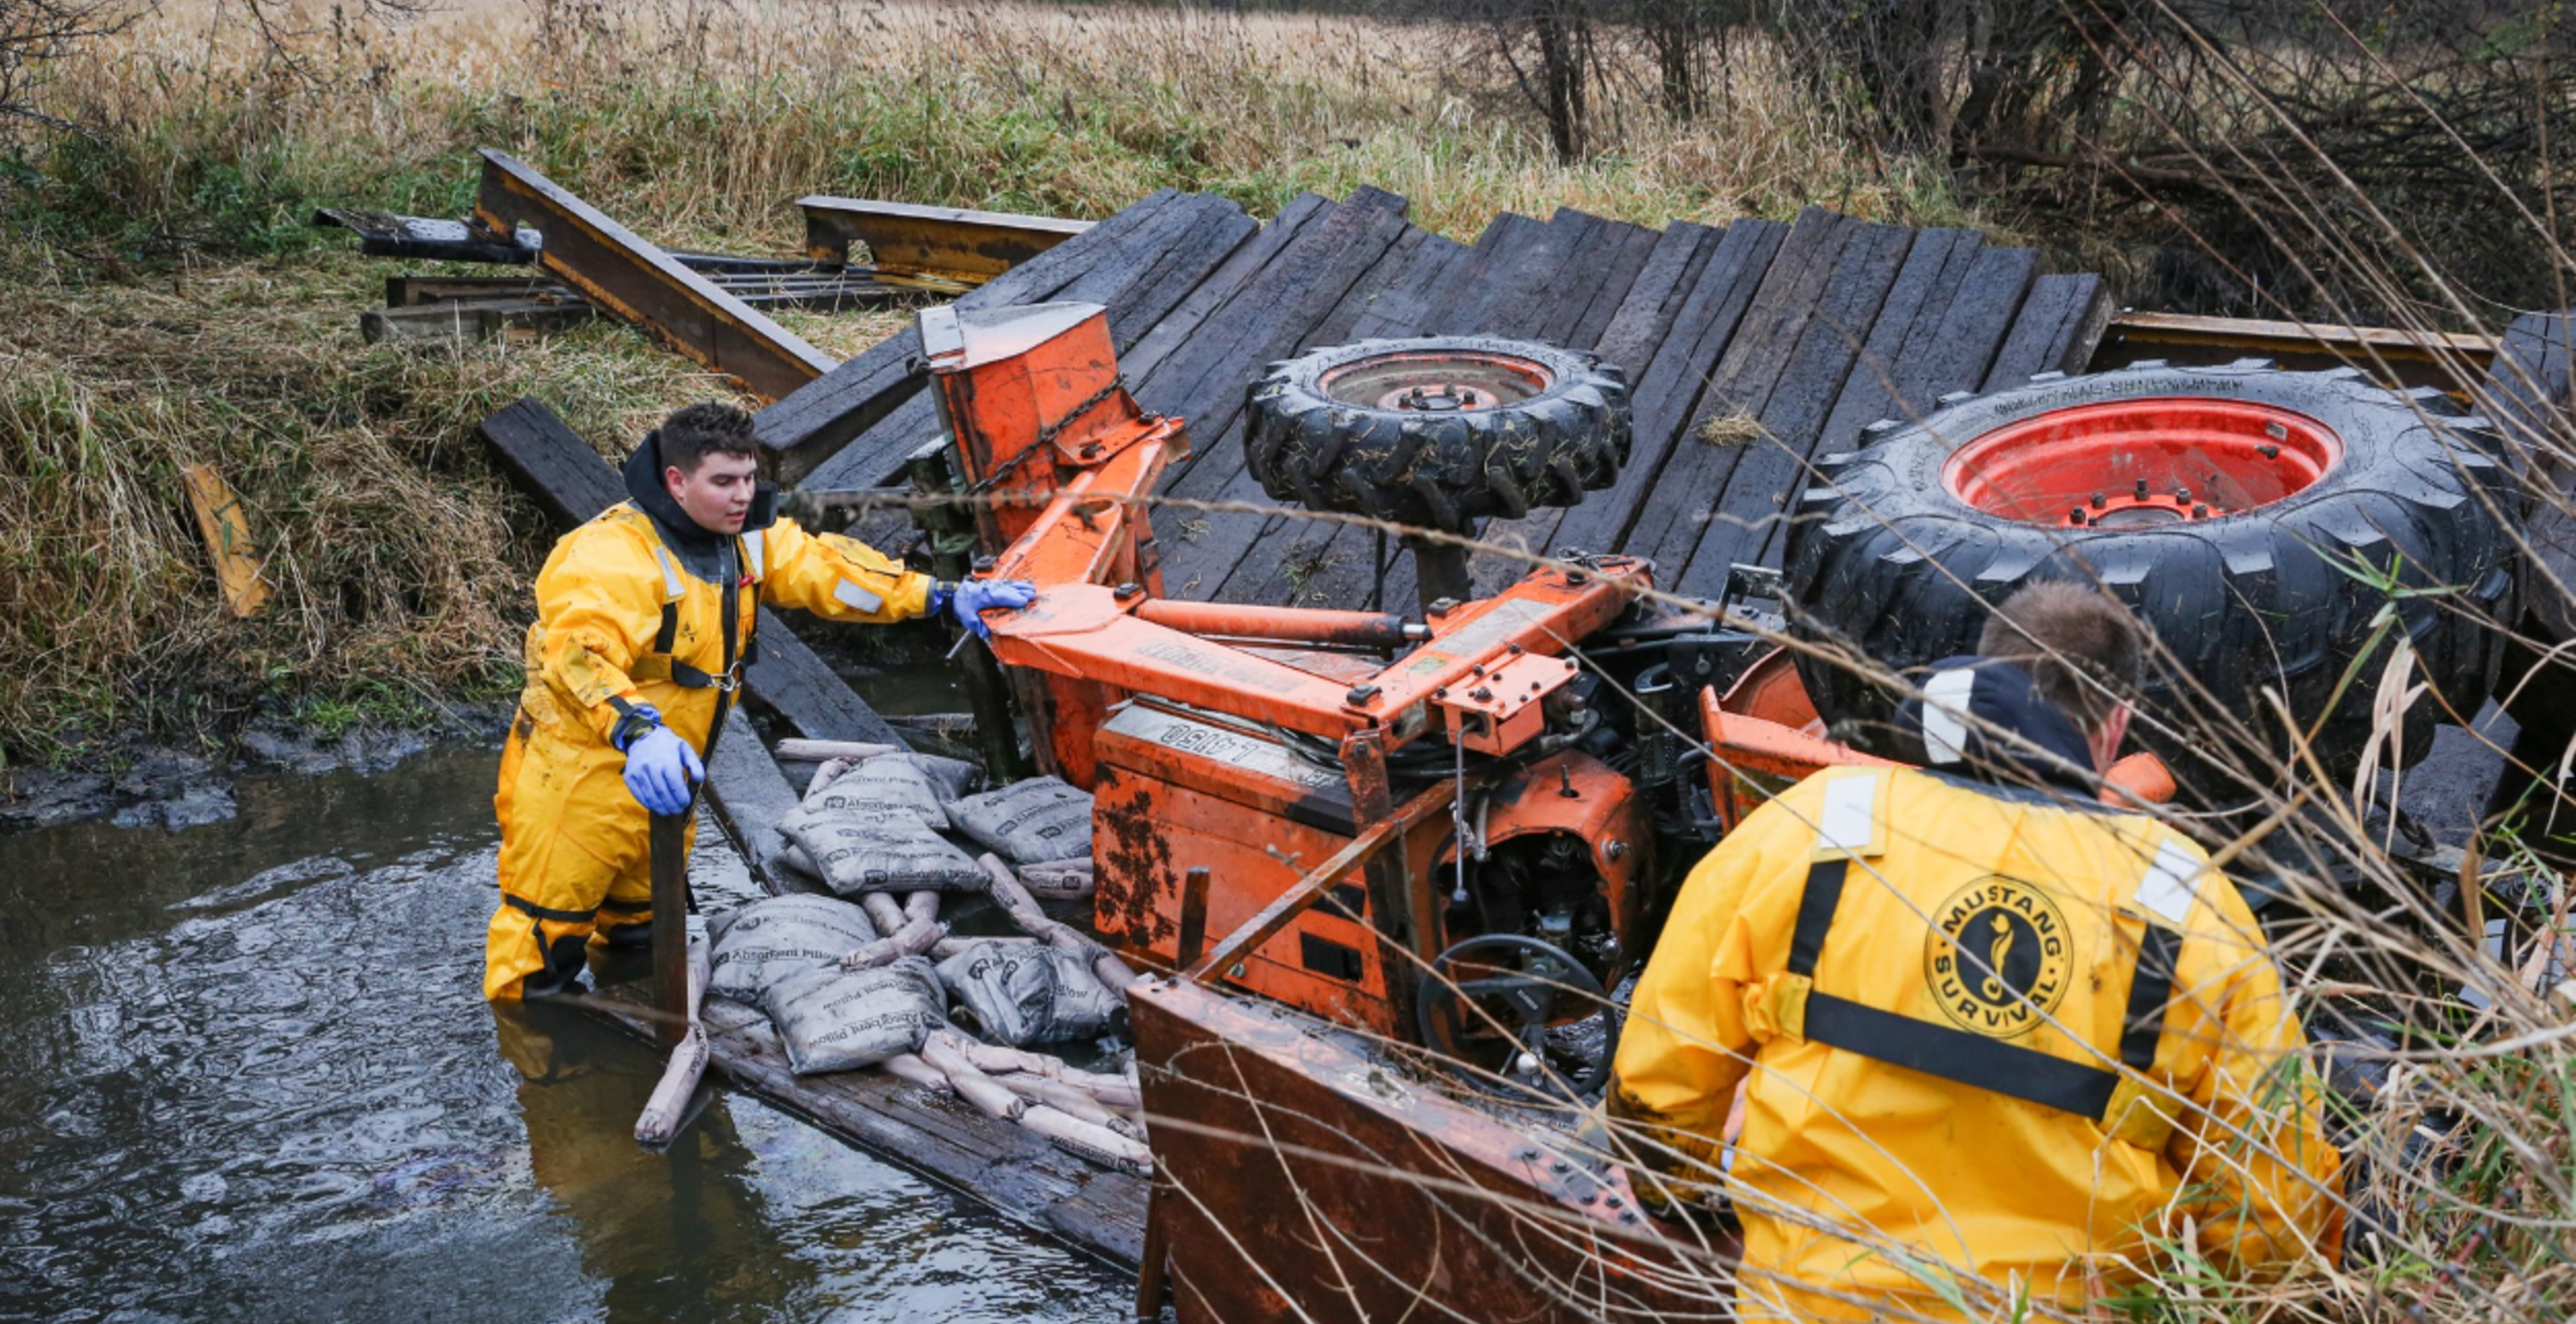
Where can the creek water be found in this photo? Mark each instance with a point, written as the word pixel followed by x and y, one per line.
pixel 246 1073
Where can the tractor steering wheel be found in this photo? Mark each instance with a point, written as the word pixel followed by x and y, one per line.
pixel 1468 1020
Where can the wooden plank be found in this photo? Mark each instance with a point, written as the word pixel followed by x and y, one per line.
pixel 1196 223
pixel 1180 326
pixel 1636 246
pixel 1952 338
pixel 1279 309
pixel 1629 340
pixel 1668 388
pixel 1202 380
pixel 1889 381
pixel 1514 299
pixel 228 545
pixel 1753 484
pixel 622 273
pixel 1175 249
pixel 1003 1166
pixel 1596 259
pixel 1672 515
pixel 751 795
pixel 551 462
pixel 2060 323
pixel 1291 543
pixel 801 430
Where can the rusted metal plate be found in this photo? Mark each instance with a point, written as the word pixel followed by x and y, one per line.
pixel 636 281
pixel 945 243
pixel 1300 1180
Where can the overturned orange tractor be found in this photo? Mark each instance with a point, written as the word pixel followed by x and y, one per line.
pixel 1361 815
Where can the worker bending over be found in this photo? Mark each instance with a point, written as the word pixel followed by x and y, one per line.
pixel 645 619
pixel 1996 1030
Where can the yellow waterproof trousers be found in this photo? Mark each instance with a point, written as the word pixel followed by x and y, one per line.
pixel 576 860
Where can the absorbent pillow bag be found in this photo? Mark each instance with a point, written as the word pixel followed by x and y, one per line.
pixel 757 945
pixel 1027 822
pixel 839 1020
pixel 911 783
pixel 870 850
pixel 1025 993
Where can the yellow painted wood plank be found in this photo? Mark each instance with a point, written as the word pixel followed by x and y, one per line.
pixel 227 534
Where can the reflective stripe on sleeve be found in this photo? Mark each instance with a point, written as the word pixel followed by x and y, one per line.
pixel 1945 698
pixel 1848 822
pixel 852 596
pixel 2167 891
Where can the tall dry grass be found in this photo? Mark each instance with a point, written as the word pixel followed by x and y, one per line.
pixel 165 302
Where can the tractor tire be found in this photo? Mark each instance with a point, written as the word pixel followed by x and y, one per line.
pixel 2316 492
pixel 1438 432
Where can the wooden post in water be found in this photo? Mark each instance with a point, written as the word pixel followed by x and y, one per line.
pixel 671 926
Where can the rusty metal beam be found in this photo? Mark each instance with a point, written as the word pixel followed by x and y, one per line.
pixel 640 283
pixel 943 243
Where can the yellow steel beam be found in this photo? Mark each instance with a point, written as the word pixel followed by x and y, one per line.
pixel 939 243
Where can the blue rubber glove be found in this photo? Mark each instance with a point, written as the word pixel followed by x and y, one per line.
pixel 661 769
pixel 975 596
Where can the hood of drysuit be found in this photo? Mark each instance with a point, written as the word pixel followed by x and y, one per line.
pixel 1958 724
pixel 644 483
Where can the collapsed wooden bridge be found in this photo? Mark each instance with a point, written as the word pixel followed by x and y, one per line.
pixel 1750 348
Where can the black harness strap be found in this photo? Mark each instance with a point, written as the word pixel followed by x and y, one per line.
pixel 2150 989
pixel 1960 1057
pixel 1816 913
pixel 535 911
pixel 1975 1060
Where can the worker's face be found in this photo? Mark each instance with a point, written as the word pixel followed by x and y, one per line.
pixel 2106 742
pixel 718 495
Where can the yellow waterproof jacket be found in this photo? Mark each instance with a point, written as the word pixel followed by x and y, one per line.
pixel 622 621
pixel 1996 937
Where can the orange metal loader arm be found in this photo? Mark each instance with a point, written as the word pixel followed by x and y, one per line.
pixel 1083 631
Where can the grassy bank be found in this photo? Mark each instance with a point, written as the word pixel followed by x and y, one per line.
pixel 166 303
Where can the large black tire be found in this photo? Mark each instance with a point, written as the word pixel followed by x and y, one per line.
pixel 1887 560
pixel 1313 440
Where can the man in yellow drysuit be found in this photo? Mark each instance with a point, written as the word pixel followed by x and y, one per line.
pixel 1999 1036
pixel 644 621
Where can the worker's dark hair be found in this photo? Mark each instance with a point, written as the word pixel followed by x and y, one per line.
pixel 693 433
pixel 2083 650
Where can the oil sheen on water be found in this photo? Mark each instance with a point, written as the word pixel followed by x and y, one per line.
pixel 246 1073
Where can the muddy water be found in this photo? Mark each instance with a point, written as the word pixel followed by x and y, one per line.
pixel 246 1073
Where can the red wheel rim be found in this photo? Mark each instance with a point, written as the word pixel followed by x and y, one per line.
pixel 1436 381
pixel 2134 464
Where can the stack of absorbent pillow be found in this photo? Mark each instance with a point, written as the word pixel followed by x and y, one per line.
pixel 894 823
pixel 783 955
pixel 874 826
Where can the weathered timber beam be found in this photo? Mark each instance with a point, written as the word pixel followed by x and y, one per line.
pixel 2132 330
pixel 629 277
pixel 947 243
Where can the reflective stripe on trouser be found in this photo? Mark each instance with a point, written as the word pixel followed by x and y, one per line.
pixel 575 858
